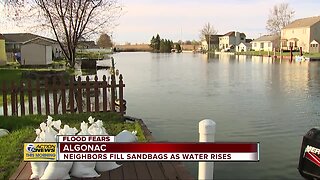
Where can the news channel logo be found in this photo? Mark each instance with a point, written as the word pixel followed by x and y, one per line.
pixel 30 148
pixel 40 151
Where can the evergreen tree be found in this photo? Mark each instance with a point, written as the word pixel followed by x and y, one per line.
pixel 162 45
pixel 157 43
pixel 152 42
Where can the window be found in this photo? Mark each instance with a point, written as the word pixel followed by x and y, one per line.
pixel 16 46
pixel 284 43
pixel 261 45
pixel 269 44
pixel 254 44
pixel 291 44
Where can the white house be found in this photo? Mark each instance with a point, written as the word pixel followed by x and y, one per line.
pixel 37 51
pixel 231 40
pixel 14 41
pixel 266 43
pixel 300 33
pixel 244 47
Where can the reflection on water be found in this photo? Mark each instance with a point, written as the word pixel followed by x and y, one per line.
pixel 251 99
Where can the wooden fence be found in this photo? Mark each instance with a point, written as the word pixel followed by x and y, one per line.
pixel 60 96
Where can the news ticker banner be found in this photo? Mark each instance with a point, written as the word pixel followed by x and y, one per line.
pixel 103 148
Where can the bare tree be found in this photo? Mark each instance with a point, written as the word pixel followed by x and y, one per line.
pixel 71 20
pixel 207 29
pixel 280 16
pixel 206 32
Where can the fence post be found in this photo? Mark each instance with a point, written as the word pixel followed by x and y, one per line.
pixel 121 103
pixel 13 99
pixel 79 95
pixel 207 128
pixel 38 96
pixel 113 87
pixel 30 97
pixel 46 96
pixel 96 94
pixel 63 95
pixel 55 95
pixel 4 94
pixel 88 94
pixel 22 107
pixel 104 97
pixel 72 95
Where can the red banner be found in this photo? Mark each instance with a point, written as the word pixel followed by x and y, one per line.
pixel 158 147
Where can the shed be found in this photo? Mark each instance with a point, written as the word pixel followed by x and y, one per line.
pixel 314 47
pixel 37 51
pixel 3 55
pixel 244 47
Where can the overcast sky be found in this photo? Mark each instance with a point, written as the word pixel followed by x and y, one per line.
pixel 183 19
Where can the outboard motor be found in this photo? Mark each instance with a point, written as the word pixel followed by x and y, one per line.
pixel 309 163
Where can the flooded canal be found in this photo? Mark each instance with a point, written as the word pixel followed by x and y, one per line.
pixel 252 99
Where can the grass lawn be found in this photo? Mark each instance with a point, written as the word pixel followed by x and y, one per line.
pixel 265 53
pixel 12 74
pixel 92 55
pixel 22 131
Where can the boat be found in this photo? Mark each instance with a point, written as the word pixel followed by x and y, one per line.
pixel 302 59
pixel 105 64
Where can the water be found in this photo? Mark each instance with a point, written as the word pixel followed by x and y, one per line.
pixel 252 99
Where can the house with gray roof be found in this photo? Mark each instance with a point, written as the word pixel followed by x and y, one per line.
pixel 243 47
pixel 14 41
pixel 266 43
pixel 301 33
pixel 230 40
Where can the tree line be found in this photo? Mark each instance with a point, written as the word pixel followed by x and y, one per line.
pixel 163 45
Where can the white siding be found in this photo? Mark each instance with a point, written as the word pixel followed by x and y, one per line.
pixel 33 54
pixel 48 59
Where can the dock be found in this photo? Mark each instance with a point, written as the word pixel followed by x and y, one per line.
pixel 129 170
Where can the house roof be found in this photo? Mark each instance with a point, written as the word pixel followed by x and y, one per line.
pixel 304 22
pixel 22 37
pixel 40 40
pixel 88 44
pixel 266 38
pixel 248 40
pixel 233 33
pixel 246 44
